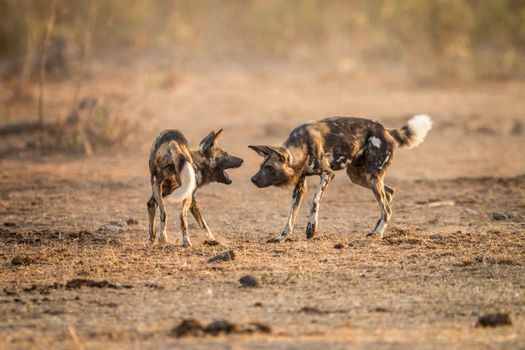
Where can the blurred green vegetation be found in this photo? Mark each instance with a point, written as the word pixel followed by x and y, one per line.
pixel 448 38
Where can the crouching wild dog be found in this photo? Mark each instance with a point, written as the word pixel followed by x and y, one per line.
pixel 363 147
pixel 177 172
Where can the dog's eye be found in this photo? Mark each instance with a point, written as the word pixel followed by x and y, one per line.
pixel 268 168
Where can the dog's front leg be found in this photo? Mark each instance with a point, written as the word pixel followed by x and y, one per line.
pixel 185 239
pixel 157 193
pixel 152 209
pixel 311 228
pixel 196 212
pixel 297 197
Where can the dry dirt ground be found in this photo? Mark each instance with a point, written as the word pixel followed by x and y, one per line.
pixel 438 269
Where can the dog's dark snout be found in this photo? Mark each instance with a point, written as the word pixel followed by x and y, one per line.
pixel 236 162
pixel 254 180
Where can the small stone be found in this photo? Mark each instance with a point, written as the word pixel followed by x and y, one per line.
pixel 226 255
pixel 499 216
pixel 132 221
pixel 494 320
pixel 313 310
pixel 21 260
pixel 220 326
pixel 339 246
pixel 109 229
pixel 380 309
pixel 249 281
pixel 187 327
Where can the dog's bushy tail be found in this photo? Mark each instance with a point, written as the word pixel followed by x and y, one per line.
pixel 414 132
pixel 188 181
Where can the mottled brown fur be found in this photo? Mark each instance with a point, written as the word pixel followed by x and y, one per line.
pixel 363 147
pixel 169 153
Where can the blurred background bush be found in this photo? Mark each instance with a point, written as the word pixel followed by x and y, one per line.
pixel 452 39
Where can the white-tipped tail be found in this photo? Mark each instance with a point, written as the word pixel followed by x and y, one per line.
pixel 419 127
pixel 188 184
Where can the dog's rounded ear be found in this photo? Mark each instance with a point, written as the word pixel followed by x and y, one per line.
pixel 261 150
pixel 265 151
pixel 281 152
pixel 208 142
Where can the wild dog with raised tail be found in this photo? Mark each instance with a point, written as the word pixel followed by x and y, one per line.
pixel 363 147
pixel 176 172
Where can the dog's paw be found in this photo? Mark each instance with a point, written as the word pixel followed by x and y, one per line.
pixel 276 240
pixel 186 244
pixel 311 229
pixel 378 230
pixel 375 235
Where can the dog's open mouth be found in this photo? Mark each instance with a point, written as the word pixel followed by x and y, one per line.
pixel 223 175
pixel 226 178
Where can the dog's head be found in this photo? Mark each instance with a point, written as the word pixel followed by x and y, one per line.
pixel 215 160
pixel 275 169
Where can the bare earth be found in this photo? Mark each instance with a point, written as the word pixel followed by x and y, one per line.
pixel 423 286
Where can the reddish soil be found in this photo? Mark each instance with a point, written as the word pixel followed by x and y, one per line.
pixel 66 284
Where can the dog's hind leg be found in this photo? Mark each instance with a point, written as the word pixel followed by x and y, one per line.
pixel 297 197
pixel 311 228
pixel 185 239
pixel 384 194
pixel 389 191
pixel 196 212
pixel 157 193
pixel 384 206
pixel 152 209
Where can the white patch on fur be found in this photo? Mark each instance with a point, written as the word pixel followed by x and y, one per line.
pixel 310 164
pixel 330 158
pixel 386 160
pixel 375 141
pixel 419 125
pixel 209 234
pixel 188 184
pixel 288 228
pixel 381 227
pixel 198 177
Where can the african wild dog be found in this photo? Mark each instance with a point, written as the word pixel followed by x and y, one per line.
pixel 364 147
pixel 177 172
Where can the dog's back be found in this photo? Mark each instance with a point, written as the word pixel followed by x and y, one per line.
pixel 171 165
pixel 340 138
pixel 161 145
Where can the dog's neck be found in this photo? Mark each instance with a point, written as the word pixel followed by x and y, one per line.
pixel 202 166
pixel 297 164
